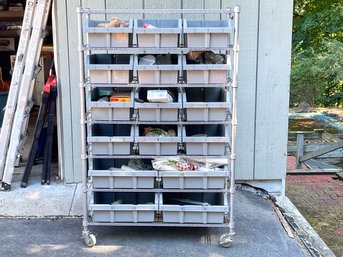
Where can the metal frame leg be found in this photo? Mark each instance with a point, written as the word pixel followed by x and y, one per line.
pixel 227 239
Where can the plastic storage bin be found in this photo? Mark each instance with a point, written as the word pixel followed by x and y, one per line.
pixel 111 139
pixel 205 139
pixel 204 208
pixel 210 33
pixel 163 33
pixel 206 104
pixel 159 111
pixel 155 145
pixel 159 74
pixel 102 177
pixel 193 179
pixel 108 37
pixel 206 73
pixel 108 111
pixel 110 68
pixel 135 207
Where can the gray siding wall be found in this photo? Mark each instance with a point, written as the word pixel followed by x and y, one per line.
pixel 265 48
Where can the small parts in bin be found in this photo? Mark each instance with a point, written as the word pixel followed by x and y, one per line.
pixel 161 59
pixel 148 26
pixel 122 97
pixel 158 132
pixel 160 96
pixel 163 164
pixel 208 57
pixel 114 23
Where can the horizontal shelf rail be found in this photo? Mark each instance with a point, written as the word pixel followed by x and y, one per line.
pixel 155 11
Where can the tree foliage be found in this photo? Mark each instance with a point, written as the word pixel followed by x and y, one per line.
pixel 317 57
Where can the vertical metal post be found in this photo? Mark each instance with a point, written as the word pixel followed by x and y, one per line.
pixel 234 116
pixel 82 123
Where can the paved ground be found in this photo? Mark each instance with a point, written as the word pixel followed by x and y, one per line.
pixel 259 233
pixel 319 198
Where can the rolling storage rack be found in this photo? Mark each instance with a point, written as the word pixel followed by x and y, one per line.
pixel 203 116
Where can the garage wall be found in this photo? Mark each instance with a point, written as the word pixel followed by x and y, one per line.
pixel 265 48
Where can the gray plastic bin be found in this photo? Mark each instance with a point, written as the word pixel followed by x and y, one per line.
pixel 199 107
pixel 135 207
pixel 111 139
pixel 108 111
pixel 210 33
pixel 205 139
pixel 159 111
pixel 123 179
pixel 193 179
pixel 108 37
pixel 111 173
pixel 165 34
pixel 176 211
pixel 206 73
pixel 157 145
pixel 110 69
pixel 158 74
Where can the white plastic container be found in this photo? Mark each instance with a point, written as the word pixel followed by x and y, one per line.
pixel 110 69
pixel 143 211
pixel 209 33
pixel 158 74
pixel 160 33
pixel 108 37
pixel 206 73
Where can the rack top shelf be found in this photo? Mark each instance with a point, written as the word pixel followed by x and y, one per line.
pixel 11 15
pixel 152 11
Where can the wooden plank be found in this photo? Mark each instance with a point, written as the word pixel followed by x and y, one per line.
pixel 322 151
pixel 314 164
pixel 300 148
pixel 194 4
pixel 340 175
pixel 162 4
pixel 312 171
pixel 74 80
pixel 65 133
pixel 247 85
pixel 272 96
pixel 328 137
pixel 213 4
pixel 308 148
pixel 124 4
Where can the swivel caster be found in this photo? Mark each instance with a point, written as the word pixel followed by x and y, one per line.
pixel 90 240
pixel 226 240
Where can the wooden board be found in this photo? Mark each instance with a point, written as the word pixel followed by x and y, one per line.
pixel 272 97
pixel 247 85
pixel 64 132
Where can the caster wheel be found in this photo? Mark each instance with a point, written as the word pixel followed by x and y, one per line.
pixel 90 240
pixel 226 240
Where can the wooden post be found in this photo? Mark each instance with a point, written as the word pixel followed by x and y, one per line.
pixel 300 149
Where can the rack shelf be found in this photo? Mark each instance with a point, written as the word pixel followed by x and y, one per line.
pixel 113 189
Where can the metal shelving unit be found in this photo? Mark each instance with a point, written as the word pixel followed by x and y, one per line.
pixel 142 212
